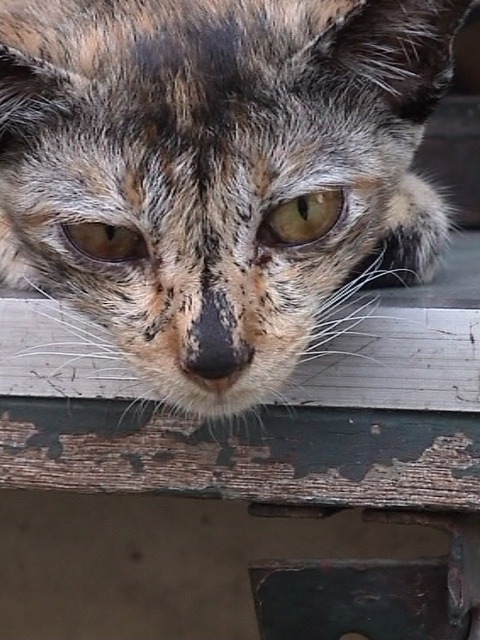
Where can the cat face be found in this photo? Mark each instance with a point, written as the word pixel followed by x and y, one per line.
pixel 200 181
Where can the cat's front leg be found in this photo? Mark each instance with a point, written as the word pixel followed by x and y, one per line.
pixel 14 271
pixel 417 229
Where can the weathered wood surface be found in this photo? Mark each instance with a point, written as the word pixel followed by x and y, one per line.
pixel 310 456
pixel 418 349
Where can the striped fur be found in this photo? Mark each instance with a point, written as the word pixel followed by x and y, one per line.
pixel 188 121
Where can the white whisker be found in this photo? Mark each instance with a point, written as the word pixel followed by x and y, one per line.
pixel 351 316
pixel 322 354
pixel 115 378
pixel 132 404
pixel 64 310
pixel 101 356
pixel 331 336
pixel 31 350
pixel 105 369
pixel 74 330
pixel 355 303
pixel 76 359
pixel 348 311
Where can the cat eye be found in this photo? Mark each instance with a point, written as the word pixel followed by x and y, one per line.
pixel 304 219
pixel 106 243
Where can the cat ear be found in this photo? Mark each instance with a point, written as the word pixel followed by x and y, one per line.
pixel 404 47
pixel 31 90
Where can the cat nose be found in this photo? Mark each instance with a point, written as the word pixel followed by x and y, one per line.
pixel 218 370
pixel 214 359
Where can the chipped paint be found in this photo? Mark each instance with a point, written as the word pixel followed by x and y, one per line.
pixel 316 457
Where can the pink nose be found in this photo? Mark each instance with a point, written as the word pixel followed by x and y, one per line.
pixel 215 385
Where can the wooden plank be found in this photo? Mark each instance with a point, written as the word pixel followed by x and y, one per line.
pixel 457 286
pixel 408 359
pixel 310 456
pixel 419 349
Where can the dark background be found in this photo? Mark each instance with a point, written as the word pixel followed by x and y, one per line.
pixel 450 154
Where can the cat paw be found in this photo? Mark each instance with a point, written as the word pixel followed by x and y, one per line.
pixel 418 225
pixel 14 271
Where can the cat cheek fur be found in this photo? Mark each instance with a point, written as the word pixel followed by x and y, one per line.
pixel 269 311
pixel 14 269
pixel 159 355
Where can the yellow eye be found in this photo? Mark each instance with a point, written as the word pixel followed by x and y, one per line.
pixel 305 219
pixel 105 242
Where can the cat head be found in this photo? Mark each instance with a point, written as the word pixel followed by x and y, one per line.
pixel 199 177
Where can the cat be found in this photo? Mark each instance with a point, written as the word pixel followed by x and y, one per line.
pixel 199 176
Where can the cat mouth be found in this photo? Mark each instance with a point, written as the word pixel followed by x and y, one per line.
pixel 213 397
pixel 216 386
pixel 219 397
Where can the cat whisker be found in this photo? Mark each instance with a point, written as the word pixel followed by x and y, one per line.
pixel 369 275
pixel 38 350
pixel 78 318
pixel 32 350
pixel 115 378
pixel 76 359
pixel 330 336
pixel 344 324
pixel 315 347
pixel 351 316
pixel 333 332
pixel 73 329
pixel 354 305
pixel 313 352
pixel 283 401
pixel 127 389
pixel 86 337
pixel 255 410
pixel 324 338
pixel 101 356
pixel 103 370
pixel 61 307
pixel 138 400
pixel 322 354
pixel 403 319
pixel 345 293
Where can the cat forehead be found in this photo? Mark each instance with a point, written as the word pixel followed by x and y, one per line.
pixel 102 33
pixel 190 83
pixel 184 65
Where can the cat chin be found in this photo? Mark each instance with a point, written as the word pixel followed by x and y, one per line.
pixel 246 395
pixel 214 406
pixel 259 384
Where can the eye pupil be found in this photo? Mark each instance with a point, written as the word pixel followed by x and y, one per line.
pixel 303 208
pixel 110 232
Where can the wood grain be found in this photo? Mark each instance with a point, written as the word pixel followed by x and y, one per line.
pixel 416 349
pixel 394 424
pixel 324 457
pixel 400 359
